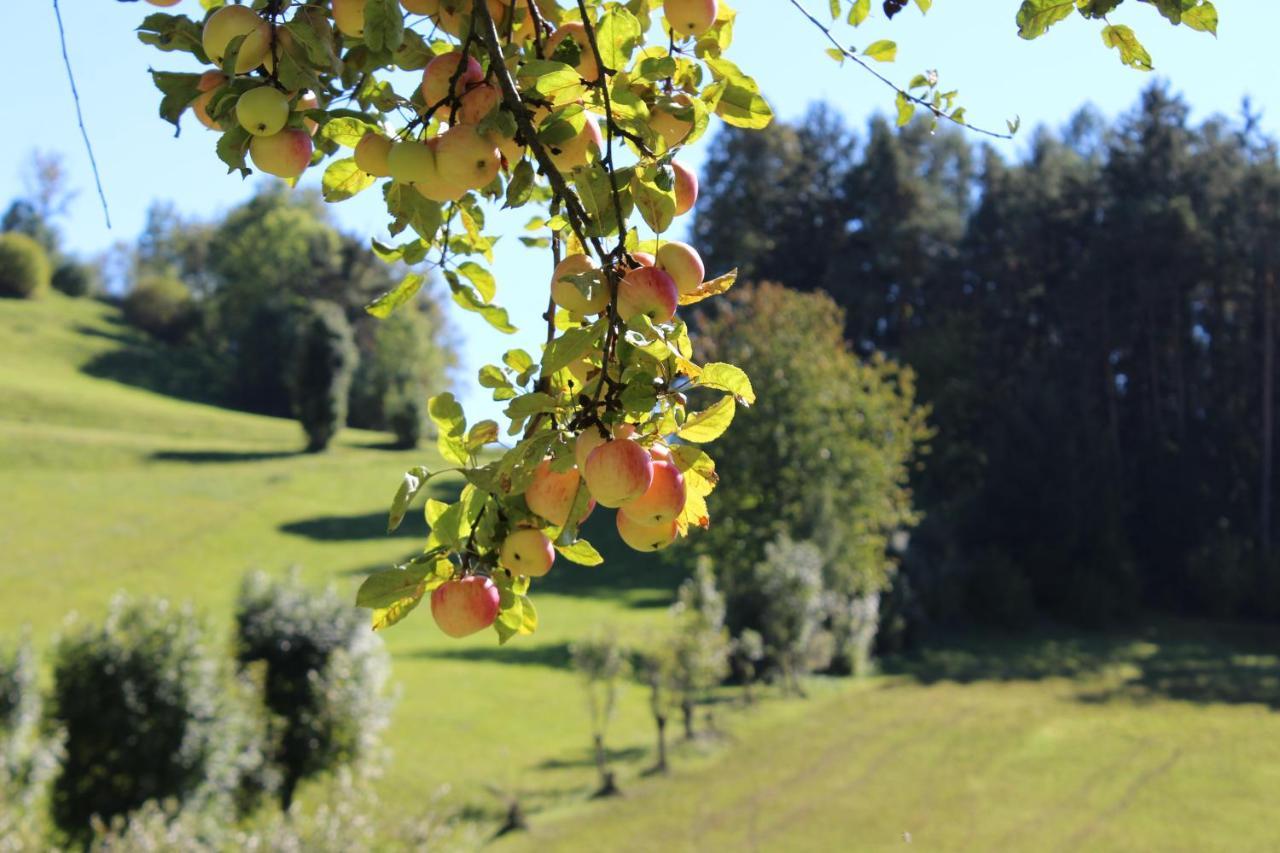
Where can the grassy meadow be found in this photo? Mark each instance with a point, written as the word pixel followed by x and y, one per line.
pixel 1165 739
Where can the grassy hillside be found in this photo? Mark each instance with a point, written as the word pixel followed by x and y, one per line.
pixel 1164 741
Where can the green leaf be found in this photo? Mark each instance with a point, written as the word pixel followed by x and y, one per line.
pixel 179 91
pixel 571 344
pixel 1203 18
pixel 520 187
pixel 709 424
pixel 172 33
pixel 554 81
pixel 657 203
pixel 1035 17
pixel 414 479
pixel 383 26
pixel 859 11
pixel 529 615
pixel 1132 53
pixel 232 147
pixel 906 109
pixel 384 588
pixel 881 51
pixel 446 413
pixel 412 209
pixel 730 378
pixel 481 278
pixel 530 404
pixel 924 6
pixel 737 97
pixel 1096 8
pixel 466 296
pixel 384 305
pixel 617 36
pixel 484 432
pixel 343 179
pixel 346 131
pixel 581 552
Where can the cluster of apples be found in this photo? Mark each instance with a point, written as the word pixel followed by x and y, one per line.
pixel 264 111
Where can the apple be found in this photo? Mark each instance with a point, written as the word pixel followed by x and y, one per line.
pixel 462 607
pixel 646 537
pixel 588 440
pixel 231 22
pixel 477 102
pixel 568 294
pixel 661 453
pixel 552 494
pixel 371 155
pixel 439 71
pixel 466 158
pixel 666 121
pixel 690 17
pixel 421 7
pixel 415 163
pixel 663 501
pixel 285 154
pixel 208 83
pixel 309 102
pixel 644 259
pixel 683 263
pixel 586 65
pixel 163 4
pixel 686 187
pixel 572 153
pixel 527 552
pixel 348 15
pixel 263 111
pixel 284 41
pixel 650 291
pixel 618 471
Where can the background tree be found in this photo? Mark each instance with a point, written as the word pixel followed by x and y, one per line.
pixel 323 361
pixel 324 679
pixel 789 585
pixel 823 456
pixel 698 644
pixel 602 663
pixel 24 266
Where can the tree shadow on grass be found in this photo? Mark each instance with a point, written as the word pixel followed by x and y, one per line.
pixel 371 525
pixel 588 759
pixel 181 372
pixel 552 655
pixel 1199 662
pixel 201 457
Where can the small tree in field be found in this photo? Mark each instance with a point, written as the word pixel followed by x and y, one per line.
pixel 324 360
pixel 324 677
pixel 602 663
pixel 789 580
pixel 699 644
pixel 27 759
pixel 746 657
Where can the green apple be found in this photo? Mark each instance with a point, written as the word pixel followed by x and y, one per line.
pixel 372 155
pixel 263 111
pixel 229 23
pixel 590 297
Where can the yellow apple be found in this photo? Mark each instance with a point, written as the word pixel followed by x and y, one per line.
pixel 263 111
pixel 527 552
pixel 229 23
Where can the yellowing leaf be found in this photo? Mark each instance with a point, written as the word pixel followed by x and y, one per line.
pixel 707 289
pixel 709 424
pixel 881 51
pixel 727 377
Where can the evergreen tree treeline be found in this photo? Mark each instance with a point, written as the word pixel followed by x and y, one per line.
pixel 1093 324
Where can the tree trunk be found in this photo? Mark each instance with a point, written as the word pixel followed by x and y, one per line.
pixel 1268 392
pixel 686 711
pixel 661 766
pixel 608 784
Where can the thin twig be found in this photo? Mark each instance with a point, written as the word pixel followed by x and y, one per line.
pixel 885 80
pixel 75 96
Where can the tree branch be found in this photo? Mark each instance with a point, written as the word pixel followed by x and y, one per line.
pixel 75 96
pixel 826 31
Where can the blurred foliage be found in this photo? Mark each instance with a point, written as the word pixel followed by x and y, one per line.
pixel 321 364
pixel 324 679
pixel 24 266
pixel 161 306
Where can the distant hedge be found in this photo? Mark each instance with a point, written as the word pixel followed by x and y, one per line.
pixel 24 266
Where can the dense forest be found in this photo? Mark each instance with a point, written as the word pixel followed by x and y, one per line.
pixel 1092 322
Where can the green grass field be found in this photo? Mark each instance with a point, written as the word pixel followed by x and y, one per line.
pixel 1166 740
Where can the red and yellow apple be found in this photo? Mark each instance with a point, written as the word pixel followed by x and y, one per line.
pixel 686 188
pixel 650 291
pixel 683 263
pixel 285 154
pixel 663 501
pixel 477 102
pixel 588 440
pixel 439 71
pixel 466 158
pixel 618 471
pixel 552 494
pixel 208 83
pixel 464 606
pixel 527 552
pixel 646 537
pixel 690 18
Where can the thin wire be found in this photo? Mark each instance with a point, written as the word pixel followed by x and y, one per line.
pixel 75 96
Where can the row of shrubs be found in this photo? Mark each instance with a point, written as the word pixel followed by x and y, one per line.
pixel 146 711
pixel 27 270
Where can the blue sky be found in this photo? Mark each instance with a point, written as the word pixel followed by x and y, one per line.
pixel 973 44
